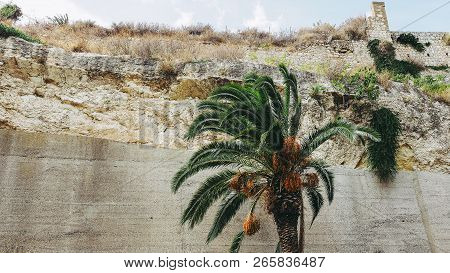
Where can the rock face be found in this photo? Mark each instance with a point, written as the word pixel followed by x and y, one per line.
pixel 46 89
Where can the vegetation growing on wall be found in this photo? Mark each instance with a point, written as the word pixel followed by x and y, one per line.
pixel 10 12
pixel 382 155
pixel 435 87
pixel 7 31
pixel 410 40
pixel 317 90
pixel 361 83
pixel 383 54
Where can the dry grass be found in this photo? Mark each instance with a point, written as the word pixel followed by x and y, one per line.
pixel 144 41
pixel 385 80
pixel 322 33
pixel 181 44
pixel 318 34
pixel 334 70
pixel 353 29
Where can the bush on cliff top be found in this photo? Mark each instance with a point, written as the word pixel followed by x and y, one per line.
pixel 10 12
pixel 6 31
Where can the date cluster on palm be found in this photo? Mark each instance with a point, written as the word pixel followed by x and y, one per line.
pixel 251 225
pixel 243 182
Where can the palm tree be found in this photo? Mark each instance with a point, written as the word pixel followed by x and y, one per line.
pixel 260 156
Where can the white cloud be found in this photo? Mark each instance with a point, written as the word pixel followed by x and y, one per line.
pixel 185 19
pixel 260 20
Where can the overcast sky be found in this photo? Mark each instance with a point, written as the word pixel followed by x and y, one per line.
pixel 275 15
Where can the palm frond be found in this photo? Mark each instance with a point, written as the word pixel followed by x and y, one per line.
pixel 202 121
pixel 266 85
pixel 294 106
pixel 189 170
pixel 315 200
pixel 295 120
pixel 250 79
pixel 233 92
pixel 213 105
pixel 221 148
pixel 236 243
pixel 337 127
pixel 326 176
pixel 211 190
pixel 229 207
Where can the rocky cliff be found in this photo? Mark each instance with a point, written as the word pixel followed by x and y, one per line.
pixel 47 89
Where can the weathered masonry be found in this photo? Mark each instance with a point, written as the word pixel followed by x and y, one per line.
pixel 436 52
pixel 355 53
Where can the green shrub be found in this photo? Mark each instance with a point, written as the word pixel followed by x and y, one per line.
pixel 383 55
pixel 10 12
pixel 6 31
pixel 362 83
pixel 382 155
pixel 432 85
pixel 412 41
pixel 317 90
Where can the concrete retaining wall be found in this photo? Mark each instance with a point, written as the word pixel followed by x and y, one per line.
pixel 62 193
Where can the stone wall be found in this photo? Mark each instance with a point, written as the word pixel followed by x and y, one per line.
pixel 378 25
pixel 436 54
pixel 108 97
pixel 64 193
pixel 355 53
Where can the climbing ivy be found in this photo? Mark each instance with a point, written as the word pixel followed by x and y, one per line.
pixel 382 155
pixel 383 55
pixel 412 41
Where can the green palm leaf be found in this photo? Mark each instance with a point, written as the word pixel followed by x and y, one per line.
pixel 189 170
pixel 211 190
pixel 227 210
pixel 236 244
pixel 337 127
pixel 326 176
pixel 315 200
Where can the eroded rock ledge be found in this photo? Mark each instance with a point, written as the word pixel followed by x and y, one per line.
pixel 45 89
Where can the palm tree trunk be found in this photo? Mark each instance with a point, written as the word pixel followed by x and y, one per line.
pixel 301 236
pixel 287 232
pixel 285 209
